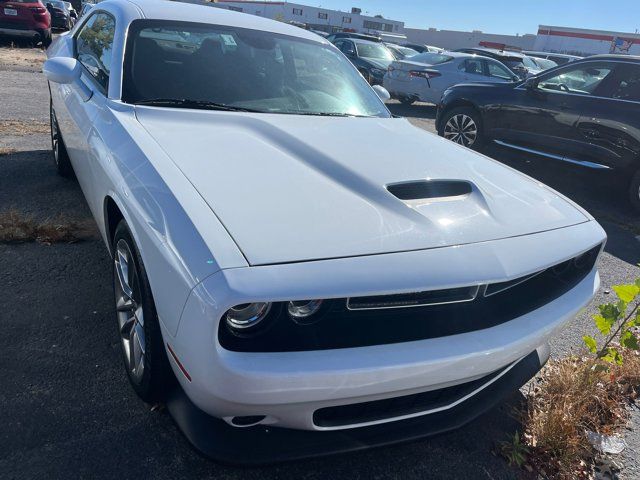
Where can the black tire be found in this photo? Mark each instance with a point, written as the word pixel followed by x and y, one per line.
pixel 634 191
pixel 60 155
pixel 156 376
pixel 45 37
pixel 407 100
pixel 460 135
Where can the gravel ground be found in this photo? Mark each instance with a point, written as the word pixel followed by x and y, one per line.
pixel 66 407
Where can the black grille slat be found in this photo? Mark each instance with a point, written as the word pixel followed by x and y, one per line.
pixel 378 410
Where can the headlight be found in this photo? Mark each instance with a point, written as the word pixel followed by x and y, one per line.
pixel 302 309
pixel 247 315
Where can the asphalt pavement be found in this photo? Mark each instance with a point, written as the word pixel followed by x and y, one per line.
pixel 66 408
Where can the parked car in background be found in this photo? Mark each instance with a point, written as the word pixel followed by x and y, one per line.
pixel 361 36
pixel 520 64
pixel 543 63
pixel 72 11
pixel 400 52
pixel 586 112
pixel 399 287
pixel 426 76
pixel 370 58
pixel 559 58
pixel 60 16
pixel 421 48
pixel 86 6
pixel 25 19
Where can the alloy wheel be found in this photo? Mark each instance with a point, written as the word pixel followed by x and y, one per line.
pixel 461 129
pixel 129 310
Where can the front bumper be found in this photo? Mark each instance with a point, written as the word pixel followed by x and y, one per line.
pixel 289 387
pixel 224 443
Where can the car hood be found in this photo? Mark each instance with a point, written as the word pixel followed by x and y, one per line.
pixel 292 188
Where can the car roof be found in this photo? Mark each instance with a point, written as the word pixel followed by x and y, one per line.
pixel 609 56
pixel 564 55
pixel 187 12
pixel 362 41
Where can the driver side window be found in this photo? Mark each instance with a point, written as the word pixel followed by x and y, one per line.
pixel 94 45
pixel 581 79
pixel 496 70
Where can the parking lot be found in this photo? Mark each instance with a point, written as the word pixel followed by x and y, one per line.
pixel 66 407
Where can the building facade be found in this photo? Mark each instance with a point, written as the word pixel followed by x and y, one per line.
pixel 579 41
pixel 317 18
pixel 453 39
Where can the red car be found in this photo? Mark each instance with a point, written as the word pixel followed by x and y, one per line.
pixel 26 19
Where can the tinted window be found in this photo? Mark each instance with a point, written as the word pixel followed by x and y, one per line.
pixel 498 71
pixel 472 66
pixel 94 45
pixel 242 68
pixel 582 79
pixel 626 84
pixel 431 58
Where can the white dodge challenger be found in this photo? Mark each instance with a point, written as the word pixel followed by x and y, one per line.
pixel 294 268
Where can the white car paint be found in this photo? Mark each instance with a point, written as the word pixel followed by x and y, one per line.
pixel 228 208
pixel 400 83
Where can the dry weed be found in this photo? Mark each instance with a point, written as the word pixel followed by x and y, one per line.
pixel 17 227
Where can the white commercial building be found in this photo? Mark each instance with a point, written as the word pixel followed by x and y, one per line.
pixel 317 18
pixel 579 41
pixel 453 39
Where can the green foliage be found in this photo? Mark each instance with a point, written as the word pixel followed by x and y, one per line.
pixel 514 450
pixel 616 322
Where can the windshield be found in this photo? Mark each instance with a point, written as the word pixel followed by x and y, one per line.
pixel 431 58
pixel 374 50
pixel 242 69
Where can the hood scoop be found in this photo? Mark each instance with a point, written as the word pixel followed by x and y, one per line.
pixel 429 189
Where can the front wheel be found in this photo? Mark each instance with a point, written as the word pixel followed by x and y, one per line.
pixel 60 155
pixel 634 191
pixel 145 359
pixel 462 125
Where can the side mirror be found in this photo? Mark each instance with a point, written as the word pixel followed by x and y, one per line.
pixel 62 69
pixel 382 92
pixel 515 78
pixel 531 83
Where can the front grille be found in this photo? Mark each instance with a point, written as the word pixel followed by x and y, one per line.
pixel 358 413
pixel 384 319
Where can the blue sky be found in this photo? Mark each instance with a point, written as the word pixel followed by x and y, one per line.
pixel 499 16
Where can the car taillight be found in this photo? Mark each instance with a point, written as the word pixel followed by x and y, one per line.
pixel 424 74
pixel 38 10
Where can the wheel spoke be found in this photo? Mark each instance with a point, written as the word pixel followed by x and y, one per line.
pixel 122 270
pixel 127 327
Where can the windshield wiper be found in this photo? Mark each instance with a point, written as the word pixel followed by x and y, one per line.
pixel 199 104
pixel 329 114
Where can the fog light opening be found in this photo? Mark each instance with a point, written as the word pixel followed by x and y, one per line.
pixel 247 421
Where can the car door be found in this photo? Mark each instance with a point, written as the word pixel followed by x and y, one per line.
pixel 610 123
pixel 93 47
pixel 542 115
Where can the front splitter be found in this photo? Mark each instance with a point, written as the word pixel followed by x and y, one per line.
pixel 260 445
